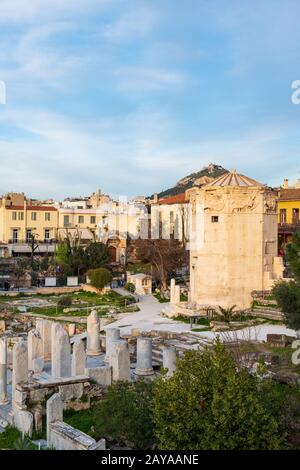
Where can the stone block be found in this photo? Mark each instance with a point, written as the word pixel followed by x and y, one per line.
pixel 101 375
pixel 23 420
pixel 69 392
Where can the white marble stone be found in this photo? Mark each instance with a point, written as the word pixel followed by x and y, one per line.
pixel 3 371
pixel 55 328
pixel 144 356
pixel 35 347
pixel 20 365
pixel 101 375
pixel 172 291
pixel 169 361
pixel 93 334
pixel 177 292
pixel 23 420
pixel 120 360
pixel 62 365
pixel 54 412
pixel 72 329
pixel 78 358
pixel 112 334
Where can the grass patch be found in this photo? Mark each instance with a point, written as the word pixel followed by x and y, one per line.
pixel 9 437
pixel 83 420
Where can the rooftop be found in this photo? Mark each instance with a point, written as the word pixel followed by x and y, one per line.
pixel 234 179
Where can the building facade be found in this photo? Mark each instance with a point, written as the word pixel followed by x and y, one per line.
pixel 288 212
pixel 233 241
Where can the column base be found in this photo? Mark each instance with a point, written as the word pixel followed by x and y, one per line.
pixel 93 352
pixel 145 372
pixel 5 401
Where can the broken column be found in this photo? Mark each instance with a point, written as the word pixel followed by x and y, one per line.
pixel 72 329
pixel 55 409
pixel 172 291
pixel 112 334
pixel 3 371
pixel 35 349
pixel 177 291
pixel 120 360
pixel 144 356
pixel 20 366
pixel 169 360
pixel 61 367
pixel 93 334
pixel 55 328
pixel 78 359
pixel 45 327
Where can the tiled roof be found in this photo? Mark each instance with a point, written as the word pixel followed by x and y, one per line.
pixel 178 199
pixel 234 179
pixel 292 194
pixel 32 208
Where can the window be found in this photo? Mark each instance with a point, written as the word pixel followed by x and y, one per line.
pixel 295 216
pixel 33 215
pixel 14 216
pixel 81 219
pixel 15 236
pixel 28 236
pixel 47 216
pixel 20 215
pixel 214 219
pixel 47 235
pixel 283 216
pixel 66 221
pixel 93 219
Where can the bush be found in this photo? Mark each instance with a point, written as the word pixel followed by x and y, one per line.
pixel 99 277
pixel 65 301
pixel 208 405
pixel 287 295
pixel 130 287
pixel 125 414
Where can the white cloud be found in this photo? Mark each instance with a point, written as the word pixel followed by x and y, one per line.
pixel 137 78
pixel 132 25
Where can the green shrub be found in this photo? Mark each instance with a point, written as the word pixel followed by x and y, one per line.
pixel 125 414
pixel 64 301
pixel 99 277
pixel 287 295
pixel 130 287
pixel 209 405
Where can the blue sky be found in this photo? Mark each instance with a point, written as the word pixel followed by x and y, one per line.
pixel 131 95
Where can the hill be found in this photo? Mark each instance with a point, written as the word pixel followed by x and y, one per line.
pixel 198 178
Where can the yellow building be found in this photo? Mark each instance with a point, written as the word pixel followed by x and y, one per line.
pixel 21 219
pixel 288 212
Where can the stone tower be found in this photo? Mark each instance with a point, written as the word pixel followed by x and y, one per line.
pixel 233 247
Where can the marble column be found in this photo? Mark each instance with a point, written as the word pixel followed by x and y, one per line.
pixel 144 356
pixel 3 371
pixel 62 364
pixel 55 328
pixel 35 348
pixel 54 412
pixel 177 291
pixel 169 360
pixel 172 291
pixel 78 359
pixel 112 334
pixel 20 366
pixel 120 360
pixel 93 334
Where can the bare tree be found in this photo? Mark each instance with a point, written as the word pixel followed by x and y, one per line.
pixel 165 256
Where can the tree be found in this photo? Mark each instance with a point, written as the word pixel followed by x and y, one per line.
pixel 165 256
pixel 70 256
pixel 99 277
pixel 209 405
pixel 96 255
pixel 21 267
pixel 287 294
pixel 125 414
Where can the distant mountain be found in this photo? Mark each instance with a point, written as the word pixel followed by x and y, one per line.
pixel 204 176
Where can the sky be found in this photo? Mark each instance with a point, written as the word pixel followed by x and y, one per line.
pixel 131 95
